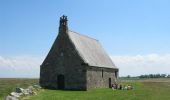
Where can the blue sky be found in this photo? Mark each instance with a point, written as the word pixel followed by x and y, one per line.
pixel 123 27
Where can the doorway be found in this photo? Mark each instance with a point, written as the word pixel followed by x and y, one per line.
pixel 60 82
pixel 110 83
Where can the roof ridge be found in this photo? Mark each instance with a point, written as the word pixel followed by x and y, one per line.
pixel 83 35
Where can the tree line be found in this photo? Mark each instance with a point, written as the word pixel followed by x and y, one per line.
pixel 155 76
pixel 149 76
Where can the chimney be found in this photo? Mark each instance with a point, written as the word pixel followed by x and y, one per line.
pixel 63 28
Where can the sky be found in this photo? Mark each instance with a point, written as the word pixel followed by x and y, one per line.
pixel 134 33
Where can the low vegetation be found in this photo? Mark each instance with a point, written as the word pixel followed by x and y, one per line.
pixel 8 85
pixel 145 89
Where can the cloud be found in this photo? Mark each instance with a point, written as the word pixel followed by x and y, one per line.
pixel 20 66
pixel 142 64
pixel 29 66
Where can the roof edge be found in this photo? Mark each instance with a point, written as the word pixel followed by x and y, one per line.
pixel 83 35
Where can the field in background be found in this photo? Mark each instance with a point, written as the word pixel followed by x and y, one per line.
pixel 145 89
pixel 8 85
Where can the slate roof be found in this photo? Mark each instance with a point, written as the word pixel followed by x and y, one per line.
pixel 90 50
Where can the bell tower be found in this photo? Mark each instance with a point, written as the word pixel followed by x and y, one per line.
pixel 63 28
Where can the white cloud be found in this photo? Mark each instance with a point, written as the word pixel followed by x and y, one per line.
pixel 20 66
pixel 142 64
pixel 29 66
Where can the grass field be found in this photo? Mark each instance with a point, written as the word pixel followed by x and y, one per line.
pixel 148 89
pixel 8 85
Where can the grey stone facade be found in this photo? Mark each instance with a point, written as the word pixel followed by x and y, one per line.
pixel 74 63
pixel 100 77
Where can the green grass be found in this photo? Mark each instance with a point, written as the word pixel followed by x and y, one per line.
pixel 143 90
pixel 8 85
pixel 150 89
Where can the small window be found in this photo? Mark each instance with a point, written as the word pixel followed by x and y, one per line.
pixel 61 54
pixel 102 73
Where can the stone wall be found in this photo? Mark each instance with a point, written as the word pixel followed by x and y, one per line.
pixel 98 77
pixel 63 60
